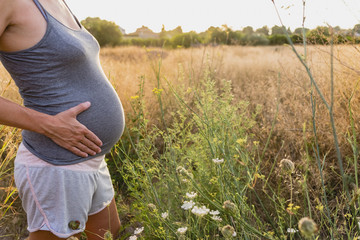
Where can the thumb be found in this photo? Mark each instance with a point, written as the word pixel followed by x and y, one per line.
pixel 80 108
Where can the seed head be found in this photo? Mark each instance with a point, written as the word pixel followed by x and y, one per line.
pixel 227 231
pixel 108 236
pixel 307 227
pixel 74 225
pixel 287 166
pixel 230 206
pixel 151 206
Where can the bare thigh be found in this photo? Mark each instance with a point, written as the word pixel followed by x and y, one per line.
pixel 96 226
pixel 106 220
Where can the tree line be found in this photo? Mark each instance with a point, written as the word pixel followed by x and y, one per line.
pixel 109 34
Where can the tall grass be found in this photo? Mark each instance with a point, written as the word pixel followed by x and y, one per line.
pixel 229 130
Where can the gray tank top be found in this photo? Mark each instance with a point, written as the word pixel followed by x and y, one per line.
pixel 61 71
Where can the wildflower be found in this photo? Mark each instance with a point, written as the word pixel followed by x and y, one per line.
pixel 287 166
pixel 216 218
pixel 241 141
pixel 182 230
pixel 152 206
pixel 228 205
pixel 133 237
pixel 218 161
pixel 228 231
pixel 307 227
pixel 292 230
pixel 234 234
pixel 214 212
pixel 157 91
pixel 108 236
pixel 138 231
pixel 200 211
pixel 191 195
pixel 183 172
pixel 188 205
pixel 164 215
pixel 134 97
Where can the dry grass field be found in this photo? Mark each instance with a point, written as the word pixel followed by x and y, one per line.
pixel 271 77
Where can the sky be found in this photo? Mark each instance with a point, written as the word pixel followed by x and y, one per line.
pixel 199 15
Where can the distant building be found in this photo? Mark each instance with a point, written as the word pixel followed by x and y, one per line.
pixel 143 32
pixel 122 30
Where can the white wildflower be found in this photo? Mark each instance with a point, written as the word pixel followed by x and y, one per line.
pixel 188 205
pixel 234 234
pixel 200 211
pixel 133 237
pixel 214 212
pixel 138 230
pixel 216 218
pixel 164 215
pixel 292 230
pixel 191 195
pixel 218 161
pixel 182 230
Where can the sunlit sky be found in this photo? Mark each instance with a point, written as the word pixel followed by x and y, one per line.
pixel 199 15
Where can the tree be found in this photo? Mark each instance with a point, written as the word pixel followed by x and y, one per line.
pixel 185 39
pixel 356 29
pixel 106 33
pixel 299 31
pixel 248 30
pixel 264 30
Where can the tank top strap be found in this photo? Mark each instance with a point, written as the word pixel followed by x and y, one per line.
pixel 41 9
pixel 77 21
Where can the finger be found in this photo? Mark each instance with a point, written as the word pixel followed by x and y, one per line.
pixel 80 108
pixel 83 148
pixel 93 138
pixel 78 152
pixel 95 148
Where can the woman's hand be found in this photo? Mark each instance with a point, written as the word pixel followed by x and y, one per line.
pixel 66 131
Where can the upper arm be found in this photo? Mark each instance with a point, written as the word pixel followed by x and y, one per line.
pixel 6 9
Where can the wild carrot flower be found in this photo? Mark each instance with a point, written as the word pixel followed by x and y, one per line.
pixel 292 230
pixel 307 227
pixel 164 215
pixel 216 218
pixel 188 205
pixel 214 212
pixel 287 166
pixel 191 195
pixel 138 230
pixel 218 161
pixel 182 230
pixel 228 231
pixel 200 211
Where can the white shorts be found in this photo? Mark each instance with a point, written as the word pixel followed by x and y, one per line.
pixel 53 196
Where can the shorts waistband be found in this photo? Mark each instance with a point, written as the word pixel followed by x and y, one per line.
pixel 25 157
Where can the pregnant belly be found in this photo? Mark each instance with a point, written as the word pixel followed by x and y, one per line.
pixel 105 118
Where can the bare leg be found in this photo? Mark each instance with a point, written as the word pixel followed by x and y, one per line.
pixel 98 224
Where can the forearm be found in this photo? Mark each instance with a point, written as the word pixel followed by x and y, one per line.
pixel 12 114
